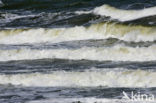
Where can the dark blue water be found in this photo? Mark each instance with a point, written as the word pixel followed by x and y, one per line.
pixel 61 13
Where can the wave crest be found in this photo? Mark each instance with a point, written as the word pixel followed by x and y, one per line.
pixel 95 31
pixel 136 78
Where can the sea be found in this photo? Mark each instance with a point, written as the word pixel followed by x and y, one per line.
pixel 77 51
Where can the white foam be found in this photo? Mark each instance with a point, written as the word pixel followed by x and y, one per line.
pixel 87 100
pixel 83 12
pixel 1 3
pixel 8 17
pixel 95 31
pixel 115 53
pixel 93 78
pixel 124 15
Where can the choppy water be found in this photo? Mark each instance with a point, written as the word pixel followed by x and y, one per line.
pixel 77 51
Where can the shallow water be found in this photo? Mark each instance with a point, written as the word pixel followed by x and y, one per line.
pixel 77 51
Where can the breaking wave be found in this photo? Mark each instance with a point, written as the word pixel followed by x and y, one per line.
pixel 89 100
pixel 115 53
pixel 106 78
pixel 95 31
pixel 119 14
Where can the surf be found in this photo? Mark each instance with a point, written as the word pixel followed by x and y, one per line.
pixel 104 30
pixel 124 15
pixel 115 53
pixel 105 78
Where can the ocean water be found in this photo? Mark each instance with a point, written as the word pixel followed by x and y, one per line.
pixel 77 51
